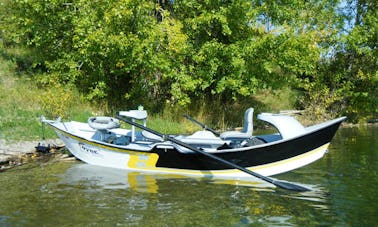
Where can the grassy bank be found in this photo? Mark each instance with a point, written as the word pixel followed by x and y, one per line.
pixel 23 101
pixel 22 104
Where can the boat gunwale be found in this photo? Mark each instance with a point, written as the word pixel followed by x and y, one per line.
pixel 314 129
pixel 125 149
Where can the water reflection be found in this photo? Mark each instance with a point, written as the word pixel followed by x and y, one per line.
pixel 171 192
pixel 59 194
pixel 109 178
pixel 316 195
pixel 85 195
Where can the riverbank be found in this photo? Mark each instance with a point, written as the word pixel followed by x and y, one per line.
pixel 18 153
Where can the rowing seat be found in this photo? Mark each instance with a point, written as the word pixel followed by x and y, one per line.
pixel 135 115
pixel 203 139
pixel 144 135
pixel 247 131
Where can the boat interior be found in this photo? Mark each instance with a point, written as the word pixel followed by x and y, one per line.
pixel 107 130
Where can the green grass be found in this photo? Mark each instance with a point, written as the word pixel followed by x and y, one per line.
pixel 171 126
pixel 16 109
pixel 21 104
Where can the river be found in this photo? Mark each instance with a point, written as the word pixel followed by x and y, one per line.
pixel 52 193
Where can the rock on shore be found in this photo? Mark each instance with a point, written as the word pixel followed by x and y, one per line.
pixel 9 149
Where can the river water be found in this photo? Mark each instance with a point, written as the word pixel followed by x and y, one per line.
pixel 344 183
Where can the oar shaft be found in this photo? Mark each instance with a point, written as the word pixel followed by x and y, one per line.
pixel 201 124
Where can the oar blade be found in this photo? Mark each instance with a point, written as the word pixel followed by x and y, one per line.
pixel 291 186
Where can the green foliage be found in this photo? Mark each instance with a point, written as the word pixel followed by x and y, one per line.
pixel 56 101
pixel 124 53
pixel 361 58
pixel 348 83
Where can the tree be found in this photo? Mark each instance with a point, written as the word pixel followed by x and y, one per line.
pixel 347 78
pixel 361 60
pixel 240 46
pixel 130 52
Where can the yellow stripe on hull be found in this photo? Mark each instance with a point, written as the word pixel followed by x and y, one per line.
pixel 147 164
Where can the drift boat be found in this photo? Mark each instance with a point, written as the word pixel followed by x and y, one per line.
pixel 102 142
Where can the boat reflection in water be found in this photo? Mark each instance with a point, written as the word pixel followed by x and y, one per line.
pixel 109 178
pixel 93 176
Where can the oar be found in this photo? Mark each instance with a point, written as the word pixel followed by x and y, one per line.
pixel 201 124
pixel 281 184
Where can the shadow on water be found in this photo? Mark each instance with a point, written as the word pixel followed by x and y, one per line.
pixel 343 184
